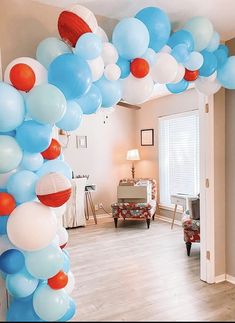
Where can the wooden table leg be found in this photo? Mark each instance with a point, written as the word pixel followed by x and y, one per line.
pixel 86 207
pixel 173 220
pixel 92 207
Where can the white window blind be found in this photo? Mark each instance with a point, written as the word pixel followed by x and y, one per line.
pixel 178 155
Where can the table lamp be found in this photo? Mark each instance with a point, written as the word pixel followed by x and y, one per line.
pixel 133 154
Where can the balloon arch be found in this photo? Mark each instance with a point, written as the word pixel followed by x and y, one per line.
pixel 75 75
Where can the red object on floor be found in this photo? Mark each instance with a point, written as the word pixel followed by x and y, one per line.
pixel 53 151
pixel 7 203
pixel 191 75
pixel 139 67
pixel 22 77
pixel 60 280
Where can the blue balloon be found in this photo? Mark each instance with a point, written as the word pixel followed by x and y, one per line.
pixel 91 101
pixel 55 165
pixel 21 284
pixel 111 91
pixel 12 108
pixel 22 186
pixel 11 261
pixel 131 38
pixel 71 74
pixel 181 37
pixel 226 74
pixel 178 87
pixel 209 65
pixel 21 310
pixel 150 56
pixel 33 136
pixel 3 223
pixel 66 262
pixel 9 133
pixel 158 25
pixel 50 48
pixel 180 53
pixel 214 42
pixel 89 46
pixel 124 65
pixel 11 154
pixel 72 118
pixel 31 161
pixel 70 312
pixel 222 55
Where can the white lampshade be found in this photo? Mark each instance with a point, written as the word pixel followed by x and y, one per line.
pixel 133 154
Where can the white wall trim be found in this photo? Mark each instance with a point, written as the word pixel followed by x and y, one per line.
pixel 230 279
pixel 220 278
pixel 169 220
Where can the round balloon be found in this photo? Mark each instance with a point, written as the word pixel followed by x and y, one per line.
pixel 139 67
pixel 22 77
pixel 70 312
pixel 4 178
pixel 88 46
pixel 102 34
pixel 53 151
pixel 7 204
pixel 124 67
pixel 214 42
pixel 5 244
pixel 178 87
pixel 190 75
pixel 150 56
pixel 12 109
pixel 3 224
pixel 209 65
pixel 72 118
pixel 21 310
pixel 12 261
pixel 226 74
pixel 60 280
pixel 111 92
pixel 31 226
pixel 180 74
pixel 71 283
pixel 97 68
pixel 221 54
pixel 194 61
pixel 165 69
pixel 63 236
pixel 31 161
pixel 136 90
pixel 181 37
pixel 207 87
pixel 57 166
pixel 109 54
pixel 112 72
pixel 91 101
pixel 11 154
pixel 180 53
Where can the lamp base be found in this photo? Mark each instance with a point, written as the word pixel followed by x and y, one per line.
pixel 133 171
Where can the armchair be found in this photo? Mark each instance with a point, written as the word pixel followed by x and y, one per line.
pixel 136 211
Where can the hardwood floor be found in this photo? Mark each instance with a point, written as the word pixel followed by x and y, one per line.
pixel 134 274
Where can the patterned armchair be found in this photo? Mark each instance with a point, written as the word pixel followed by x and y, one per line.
pixel 191 226
pixel 136 211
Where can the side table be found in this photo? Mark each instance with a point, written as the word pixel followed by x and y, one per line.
pixel 89 202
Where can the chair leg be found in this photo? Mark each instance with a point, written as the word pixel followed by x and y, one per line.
pixel 153 217
pixel 188 247
pixel 148 223
pixel 115 222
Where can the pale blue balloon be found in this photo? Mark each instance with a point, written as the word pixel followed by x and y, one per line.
pixel 125 66
pixel 11 133
pixel 226 74
pixel 31 161
pixel 70 311
pixel 158 25
pixel 50 48
pixel 72 118
pixel 181 37
pixel 194 61
pixel 49 304
pixel 111 92
pixel 214 42
pixel 33 136
pixel 3 224
pixel 88 46
pixel 209 65
pixel 180 53
pixel 21 310
pixel 131 38
pixel 66 262
pixel 91 101
pixel 221 54
pixel 44 263
pixel 178 87
pixel 12 109
pixel 55 165
pixel 10 154
pixel 21 284
pixel 150 56
pixel 22 186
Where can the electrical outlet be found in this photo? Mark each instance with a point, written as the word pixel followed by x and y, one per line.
pixel 96 207
pixel 101 205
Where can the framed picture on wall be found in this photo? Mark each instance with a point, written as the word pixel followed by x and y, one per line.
pixel 147 137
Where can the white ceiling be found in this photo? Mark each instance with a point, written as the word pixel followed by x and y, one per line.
pixel 220 12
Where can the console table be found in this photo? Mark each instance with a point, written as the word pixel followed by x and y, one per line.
pixel 89 202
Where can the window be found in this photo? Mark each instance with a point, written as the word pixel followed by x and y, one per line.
pixel 178 155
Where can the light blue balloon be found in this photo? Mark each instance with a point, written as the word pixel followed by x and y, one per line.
pixel 158 25
pixel 181 37
pixel 46 104
pixel 88 46
pixel 66 262
pixel 12 109
pixel 10 154
pixel 21 284
pixel 111 91
pixel 70 312
pixel 194 61
pixel 3 224
pixel 226 74
pixel 50 48
pixel 72 118
pixel 44 263
pixel 33 136
pixel 131 38
pixel 11 133
pixel 209 64
pixel 214 42
pixel 55 166
pixel 180 53
pixel 150 56
pixel 49 304
pixel 125 66
pixel 31 161
pixel 71 74
pixel 22 186
pixel 91 101
pixel 222 55
pixel 178 87
pixel 21 310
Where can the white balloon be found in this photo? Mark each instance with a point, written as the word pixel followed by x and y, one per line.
pixel 5 244
pixel 137 90
pixel 97 68
pixel 85 14
pixel 59 211
pixel 39 70
pixel 109 54
pixel 112 72
pixel 32 226
pixel 211 78
pixel 180 74
pixel 71 283
pixel 207 87
pixel 165 69
pixel 102 34
pixel 166 49
pixel 62 235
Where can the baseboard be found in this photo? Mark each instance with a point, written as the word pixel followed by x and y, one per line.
pixel 230 279
pixel 220 278
pixel 103 215
pixel 169 220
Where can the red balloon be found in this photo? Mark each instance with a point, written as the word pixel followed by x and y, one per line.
pixel 139 67
pixel 22 77
pixel 60 280
pixel 7 203
pixel 191 75
pixel 71 27
pixel 53 151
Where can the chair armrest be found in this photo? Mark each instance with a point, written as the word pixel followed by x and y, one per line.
pixel 190 224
